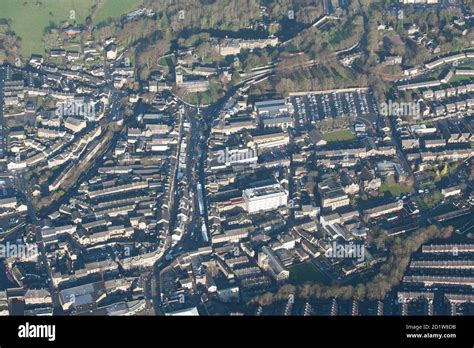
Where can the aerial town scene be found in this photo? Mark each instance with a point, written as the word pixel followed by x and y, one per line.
pixel 244 157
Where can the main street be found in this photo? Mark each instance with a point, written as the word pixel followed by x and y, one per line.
pixel 201 119
pixel 188 241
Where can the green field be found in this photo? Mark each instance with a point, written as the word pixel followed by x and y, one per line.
pixel 343 135
pixel 168 61
pixel 30 18
pixel 306 272
pixel 115 8
pixel 395 189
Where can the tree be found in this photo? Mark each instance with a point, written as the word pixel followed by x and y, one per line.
pixel 390 273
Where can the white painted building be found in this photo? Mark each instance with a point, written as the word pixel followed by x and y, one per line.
pixel 265 198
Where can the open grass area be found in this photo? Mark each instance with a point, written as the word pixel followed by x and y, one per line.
pixel 167 61
pixel 342 135
pixel 306 272
pixel 30 18
pixel 115 8
pixel 395 189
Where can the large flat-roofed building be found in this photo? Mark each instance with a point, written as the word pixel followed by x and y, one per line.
pixel 272 108
pixel 264 198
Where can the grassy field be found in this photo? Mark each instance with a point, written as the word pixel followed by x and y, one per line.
pixel 343 135
pixel 115 8
pixel 167 61
pixel 306 272
pixel 395 189
pixel 30 18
